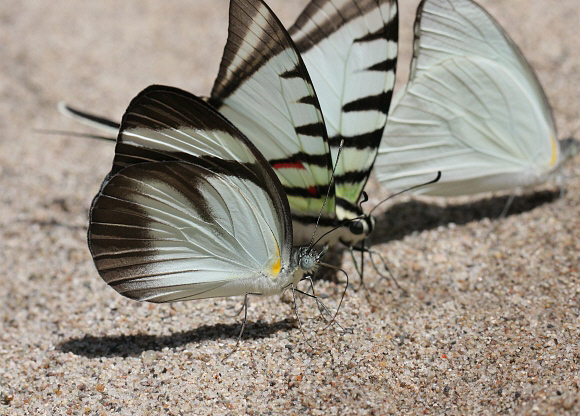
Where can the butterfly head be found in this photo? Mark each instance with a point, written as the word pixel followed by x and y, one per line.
pixel 361 227
pixel 355 224
pixel 307 259
pixel 356 229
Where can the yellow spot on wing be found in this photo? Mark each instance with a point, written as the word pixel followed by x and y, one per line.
pixel 554 151
pixel 276 266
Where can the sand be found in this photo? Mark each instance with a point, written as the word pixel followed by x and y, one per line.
pixel 489 322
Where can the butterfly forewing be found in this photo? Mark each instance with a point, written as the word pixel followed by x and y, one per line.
pixel 164 123
pixel 264 89
pixel 350 51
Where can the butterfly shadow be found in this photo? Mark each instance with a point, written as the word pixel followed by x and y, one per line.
pixel 133 345
pixel 416 216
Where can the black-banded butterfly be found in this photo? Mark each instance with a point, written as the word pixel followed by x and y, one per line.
pixel 346 51
pixel 191 209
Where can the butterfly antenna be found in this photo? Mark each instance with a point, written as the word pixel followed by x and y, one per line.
pixel 365 196
pixel 294 290
pixel 359 217
pixel 331 183
pixel 408 189
pixel 73 133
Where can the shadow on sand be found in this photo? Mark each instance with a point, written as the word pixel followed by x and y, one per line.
pixel 416 216
pixel 133 345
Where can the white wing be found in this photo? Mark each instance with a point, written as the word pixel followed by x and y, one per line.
pixel 350 51
pixel 451 28
pixel 170 231
pixel 264 89
pixel 165 124
pixel 473 109
pixel 190 208
pixel 471 119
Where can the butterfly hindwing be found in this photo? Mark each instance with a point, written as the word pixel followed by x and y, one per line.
pixel 107 126
pixel 189 199
pixel 170 231
pixel 350 51
pixel 468 137
pixel 473 109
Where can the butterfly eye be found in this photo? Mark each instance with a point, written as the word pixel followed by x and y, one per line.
pixel 357 227
pixel 307 262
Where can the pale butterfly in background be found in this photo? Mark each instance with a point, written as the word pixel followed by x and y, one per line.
pixel 473 109
pixel 347 52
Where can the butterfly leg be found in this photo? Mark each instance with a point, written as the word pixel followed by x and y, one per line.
pixel 508 204
pixel 245 308
pixel 503 213
pixel 390 276
pixel 294 290
pixel 360 271
pixel 238 312
pixel 319 302
pixel 321 306
pixel 561 183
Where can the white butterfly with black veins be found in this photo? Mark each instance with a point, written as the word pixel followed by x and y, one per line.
pixel 473 109
pixel 191 209
pixel 347 52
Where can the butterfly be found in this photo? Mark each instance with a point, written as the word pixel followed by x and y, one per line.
pixel 191 209
pixel 347 53
pixel 473 109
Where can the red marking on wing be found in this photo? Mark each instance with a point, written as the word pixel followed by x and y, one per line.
pixel 313 191
pixel 289 165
